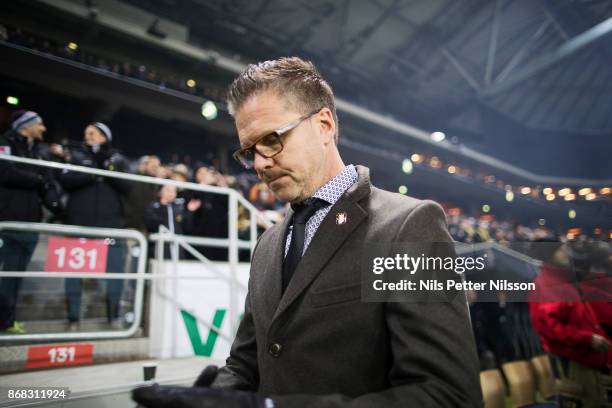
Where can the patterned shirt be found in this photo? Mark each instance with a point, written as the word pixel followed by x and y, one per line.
pixel 329 192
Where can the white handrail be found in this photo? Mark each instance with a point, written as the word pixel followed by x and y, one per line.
pixel 144 179
pixel 193 240
pixel 104 276
pixel 166 234
pixel 90 232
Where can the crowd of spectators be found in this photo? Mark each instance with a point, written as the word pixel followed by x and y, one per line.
pixel 472 230
pixel 37 193
pixel 72 51
pixel 170 80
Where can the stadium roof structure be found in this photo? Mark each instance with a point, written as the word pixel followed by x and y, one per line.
pixel 526 82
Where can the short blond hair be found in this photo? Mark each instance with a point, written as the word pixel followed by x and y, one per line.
pixel 293 77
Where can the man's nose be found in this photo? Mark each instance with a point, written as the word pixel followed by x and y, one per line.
pixel 261 163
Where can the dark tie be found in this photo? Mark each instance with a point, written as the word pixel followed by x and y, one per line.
pixel 301 215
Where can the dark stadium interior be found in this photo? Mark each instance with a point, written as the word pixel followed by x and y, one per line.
pixel 524 124
pixel 499 110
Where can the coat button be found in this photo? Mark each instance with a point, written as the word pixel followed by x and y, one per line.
pixel 275 349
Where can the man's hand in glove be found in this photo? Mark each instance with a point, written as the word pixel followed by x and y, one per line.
pixel 166 396
pixel 207 376
pixel 200 396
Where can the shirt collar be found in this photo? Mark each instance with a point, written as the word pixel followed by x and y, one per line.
pixel 334 188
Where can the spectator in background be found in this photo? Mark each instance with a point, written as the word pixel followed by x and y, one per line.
pixel 264 200
pixel 210 220
pixel 568 326
pixel 262 197
pixel 182 169
pixel 172 214
pixel 95 201
pixel 164 172
pixel 141 194
pixel 181 175
pixel 23 189
pixel 598 287
pixel 493 331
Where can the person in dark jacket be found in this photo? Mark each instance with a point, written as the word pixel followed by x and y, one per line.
pixel 141 194
pixel 23 189
pixel 210 220
pixel 171 212
pixel 95 201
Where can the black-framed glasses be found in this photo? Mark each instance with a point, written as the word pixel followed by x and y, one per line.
pixel 268 145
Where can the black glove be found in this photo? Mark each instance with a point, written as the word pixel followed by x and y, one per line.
pixel 51 195
pixel 207 376
pixel 167 396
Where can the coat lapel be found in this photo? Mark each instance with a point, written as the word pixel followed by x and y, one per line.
pixel 272 282
pixel 327 240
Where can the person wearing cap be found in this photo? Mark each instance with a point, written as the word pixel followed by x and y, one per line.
pixel 95 201
pixel 24 189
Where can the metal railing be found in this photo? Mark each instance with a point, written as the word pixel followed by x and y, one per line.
pixel 183 241
pixel 232 243
pixel 82 232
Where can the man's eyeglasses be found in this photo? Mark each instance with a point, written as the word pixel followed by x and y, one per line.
pixel 268 145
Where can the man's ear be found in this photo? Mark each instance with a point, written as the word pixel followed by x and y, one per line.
pixel 327 125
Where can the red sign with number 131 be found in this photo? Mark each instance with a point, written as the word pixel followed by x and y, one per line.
pixel 76 255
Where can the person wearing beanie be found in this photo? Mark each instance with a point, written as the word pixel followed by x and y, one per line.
pixel 96 201
pixel 23 189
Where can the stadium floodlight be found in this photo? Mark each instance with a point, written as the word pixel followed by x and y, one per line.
pixel 486 208
pixel 591 196
pixel 550 197
pixel 438 136
pixel 571 214
pixel 12 100
pixel 452 169
pixel 570 197
pixel 191 83
pixel 72 45
pixel 403 189
pixel 585 191
pixel 435 162
pixel 209 110
pixel 605 190
pixel 416 158
pixel 565 191
pixel 407 166
pixel 509 196
pixel 525 190
pixel 542 222
pixel 547 191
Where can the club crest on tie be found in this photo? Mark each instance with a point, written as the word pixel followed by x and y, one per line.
pixel 341 218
